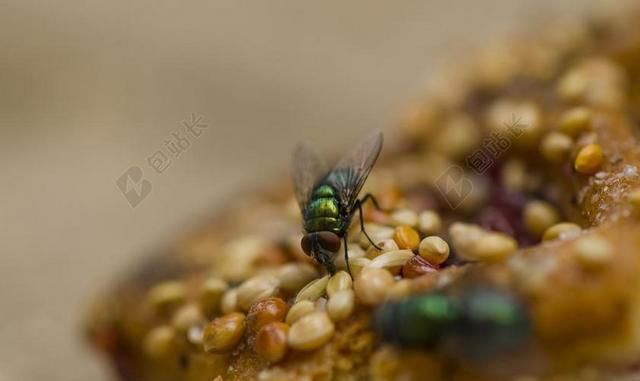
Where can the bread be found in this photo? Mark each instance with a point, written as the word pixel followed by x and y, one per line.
pixel 525 163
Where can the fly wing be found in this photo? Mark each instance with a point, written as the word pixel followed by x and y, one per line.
pixel 308 168
pixel 349 175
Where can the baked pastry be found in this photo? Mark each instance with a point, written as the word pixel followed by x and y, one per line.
pixel 508 244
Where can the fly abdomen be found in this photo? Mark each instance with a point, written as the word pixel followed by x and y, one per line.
pixel 323 212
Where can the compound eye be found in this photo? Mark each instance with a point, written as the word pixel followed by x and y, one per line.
pixel 329 241
pixel 306 244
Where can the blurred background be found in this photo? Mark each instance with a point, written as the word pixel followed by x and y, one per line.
pixel 201 99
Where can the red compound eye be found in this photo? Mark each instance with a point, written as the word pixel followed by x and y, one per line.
pixel 306 244
pixel 329 241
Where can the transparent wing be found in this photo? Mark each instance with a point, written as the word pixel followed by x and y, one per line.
pixel 349 175
pixel 308 169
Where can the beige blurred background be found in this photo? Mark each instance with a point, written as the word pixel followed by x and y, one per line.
pixel 91 88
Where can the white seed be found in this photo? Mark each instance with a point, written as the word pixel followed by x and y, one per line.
pixel 298 310
pixel 186 317
pixel 372 284
pixel 594 252
pixel 404 217
pixel 391 259
pixel 294 276
pixel 429 222
pixel 312 291
pixel 311 332
pixel 562 230
pixel 376 233
pixel 338 282
pixel 555 147
pixel 341 304
pixel 434 250
pixel 474 243
pixel 255 289
pixel 357 265
pixel 539 216
pixel 400 290
pixel 229 302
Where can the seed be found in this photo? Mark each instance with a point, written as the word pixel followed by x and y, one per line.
pixel 416 266
pixel 255 289
pixel 434 249
pixel 312 291
pixel 406 237
pixel 355 251
pixel 385 246
pixel 229 302
pixel 294 276
pixel 224 333
pixel 459 135
pixel 539 216
pixel 634 200
pixel 555 147
pixel 358 264
pixel 266 311
pixel 404 217
pixel 429 222
pixel 271 341
pixel 338 282
pixel 400 290
pixel 186 317
pixel 589 159
pixel 494 247
pixel 391 260
pixel 159 342
pixel 340 305
pixel 311 332
pixel 561 230
pixel 376 233
pixel 300 309
pixel 576 121
pixel 195 335
pixel 167 295
pixel 372 284
pixel 594 252
pixel 211 293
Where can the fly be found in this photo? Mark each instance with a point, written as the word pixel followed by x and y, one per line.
pixel 328 199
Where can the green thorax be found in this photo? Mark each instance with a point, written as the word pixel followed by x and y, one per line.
pixel 323 210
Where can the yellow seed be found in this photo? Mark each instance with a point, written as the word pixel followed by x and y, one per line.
pixel 593 252
pixel 561 230
pixel 634 200
pixel 340 305
pixel 404 217
pixel 386 245
pixel 211 293
pixel 576 121
pixel 555 147
pixel 400 290
pixel 312 291
pixel 186 317
pixel 539 216
pixel 229 302
pixel 255 289
pixel 271 341
pixel 372 284
pixel 298 310
pixel 589 159
pixel 429 222
pixel 224 333
pixel 311 332
pixel 494 247
pixel 159 342
pixel 406 237
pixel 167 295
pixel 294 276
pixel 434 250
pixel 338 282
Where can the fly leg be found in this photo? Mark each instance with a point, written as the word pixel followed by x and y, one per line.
pixel 346 255
pixel 368 197
pixel 359 206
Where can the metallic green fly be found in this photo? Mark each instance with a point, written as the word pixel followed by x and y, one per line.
pixel 328 199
